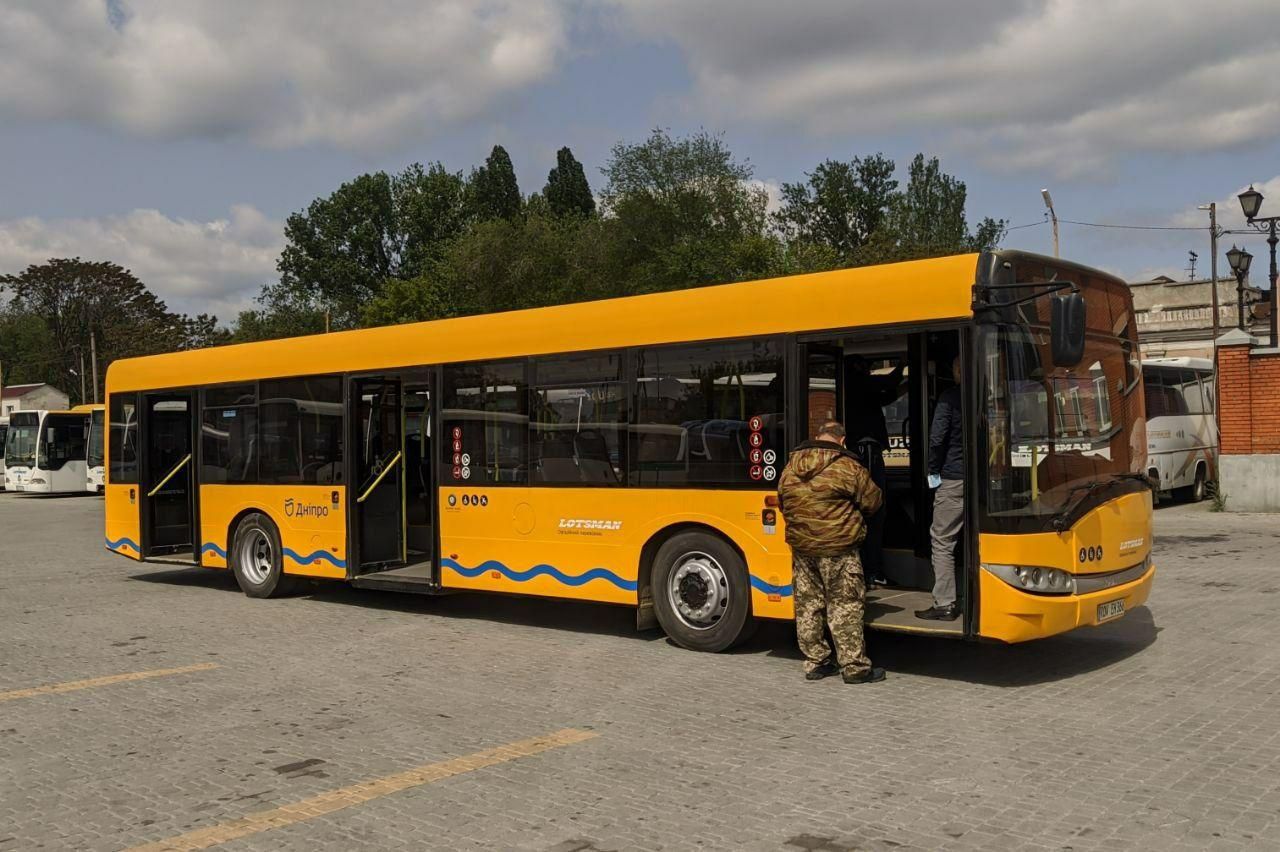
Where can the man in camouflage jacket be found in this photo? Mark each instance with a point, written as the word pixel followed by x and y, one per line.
pixel 826 497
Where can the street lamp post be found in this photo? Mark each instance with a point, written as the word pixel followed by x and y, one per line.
pixel 1240 260
pixel 1251 204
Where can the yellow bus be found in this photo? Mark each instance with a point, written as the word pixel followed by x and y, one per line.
pixel 627 451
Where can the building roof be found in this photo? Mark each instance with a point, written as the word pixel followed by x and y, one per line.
pixel 15 391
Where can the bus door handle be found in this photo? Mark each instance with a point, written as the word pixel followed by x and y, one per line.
pixel 387 469
pixel 154 491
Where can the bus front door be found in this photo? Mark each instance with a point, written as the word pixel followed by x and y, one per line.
pixel 167 481
pixel 378 497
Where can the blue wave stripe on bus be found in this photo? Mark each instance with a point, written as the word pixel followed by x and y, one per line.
pixel 769 589
pixel 541 570
pixel 118 543
pixel 314 557
pixel 210 547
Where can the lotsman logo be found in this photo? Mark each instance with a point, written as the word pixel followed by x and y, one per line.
pixel 588 524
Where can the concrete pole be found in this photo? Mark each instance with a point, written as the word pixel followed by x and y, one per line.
pixel 93 356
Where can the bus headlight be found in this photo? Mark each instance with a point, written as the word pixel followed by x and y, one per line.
pixel 36 480
pixel 1032 578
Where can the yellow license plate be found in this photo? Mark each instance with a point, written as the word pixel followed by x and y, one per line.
pixel 1110 609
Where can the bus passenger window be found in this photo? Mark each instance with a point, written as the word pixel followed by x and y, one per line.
pixel 484 412
pixel 123 438
pixel 577 420
pixel 300 431
pixel 709 414
pixel 228 435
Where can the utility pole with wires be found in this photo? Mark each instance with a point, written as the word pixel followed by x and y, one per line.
pixel 93 359
pixel 1048 202
pixel 1214 233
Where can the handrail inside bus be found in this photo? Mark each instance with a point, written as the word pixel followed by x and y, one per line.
pixel 394 461
pixel 178 467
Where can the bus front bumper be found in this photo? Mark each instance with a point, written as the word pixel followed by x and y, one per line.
pixel 1012 615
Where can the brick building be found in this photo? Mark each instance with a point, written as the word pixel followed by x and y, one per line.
pixel 1249 423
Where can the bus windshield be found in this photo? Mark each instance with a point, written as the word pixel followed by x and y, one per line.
pixel 63 441
pixel 1060 439
pixel 20 445
pixel 94 454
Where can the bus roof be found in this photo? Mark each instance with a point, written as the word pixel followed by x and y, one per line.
pixel 913 291
pixel 1189 363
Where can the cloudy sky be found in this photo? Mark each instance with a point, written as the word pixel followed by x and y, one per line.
pixel 174 136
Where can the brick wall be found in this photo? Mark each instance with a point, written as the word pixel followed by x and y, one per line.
pixel 1248 400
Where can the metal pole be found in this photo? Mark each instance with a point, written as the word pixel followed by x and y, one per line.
pixel 92 356
pixel 1054 217
pixel 1271 241
pixel 1213 265
pixel 82 397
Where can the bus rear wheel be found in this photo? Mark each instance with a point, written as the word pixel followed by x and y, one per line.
pixel 257 558
pixel 1194 492
pixel 701 595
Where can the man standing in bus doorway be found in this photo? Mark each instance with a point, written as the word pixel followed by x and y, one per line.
pixel 866 395
pixel 946 475
pixel 825 497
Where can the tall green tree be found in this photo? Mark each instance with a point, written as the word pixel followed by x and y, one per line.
pixel 567 192
pixel 683 212
pixel 927 219
pixel 841 205
pixel 342 250
pixel 71 298
pixel 495 194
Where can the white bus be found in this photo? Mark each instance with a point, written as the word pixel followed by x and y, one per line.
pixel 1182 432
pixel 44 451
pixel 4 431
pixel 93 455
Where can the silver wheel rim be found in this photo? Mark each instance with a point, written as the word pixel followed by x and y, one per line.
pixel 698 590
pixel 256 557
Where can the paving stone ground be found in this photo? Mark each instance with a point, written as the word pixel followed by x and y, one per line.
pixel 1159 731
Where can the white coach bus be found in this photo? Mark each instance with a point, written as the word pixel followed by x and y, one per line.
pixel 44 451
pixel 1182 432
pixel 4 431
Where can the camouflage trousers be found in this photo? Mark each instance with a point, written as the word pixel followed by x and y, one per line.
pixel 830 593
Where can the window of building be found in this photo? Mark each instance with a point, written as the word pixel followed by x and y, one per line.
pixel 577 419
pixel 229 435
pixel 486 424
pixel 709 414
pixel 300 431
pixel 123 438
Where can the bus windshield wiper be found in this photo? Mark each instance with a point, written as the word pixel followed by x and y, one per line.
pixel 1085 489
pixel 1088 487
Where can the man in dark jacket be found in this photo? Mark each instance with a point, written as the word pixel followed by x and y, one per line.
pixel 946 474
pixel 825 497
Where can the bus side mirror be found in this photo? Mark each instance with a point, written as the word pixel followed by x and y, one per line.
pixel 1066 328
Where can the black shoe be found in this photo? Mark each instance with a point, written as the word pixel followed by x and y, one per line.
pixel 875 674
pixel 826 669
pixel 940 613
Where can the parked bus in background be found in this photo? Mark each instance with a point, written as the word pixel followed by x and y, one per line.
pixel 628 451
pixel 4 431
pixel 45 451
pixel 95 455
pixel 1182 431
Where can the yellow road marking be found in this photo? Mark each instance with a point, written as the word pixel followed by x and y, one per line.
pixel 73 685
pixel 355 794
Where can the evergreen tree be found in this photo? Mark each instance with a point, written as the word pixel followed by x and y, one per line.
pixel 494 191
pixel 567 192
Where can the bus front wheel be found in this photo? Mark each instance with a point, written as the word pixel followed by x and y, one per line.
pixel 701 595
pixel 257 558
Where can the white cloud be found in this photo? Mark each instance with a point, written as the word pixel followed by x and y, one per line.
pixel 281 73
pixel 1058 85
pixel 210 267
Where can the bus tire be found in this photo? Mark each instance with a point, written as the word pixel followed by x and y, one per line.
pixel 1194 492
pixel 701 595
pixel 257 558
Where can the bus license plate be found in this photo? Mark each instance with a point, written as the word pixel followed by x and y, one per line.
pixel 1110 609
